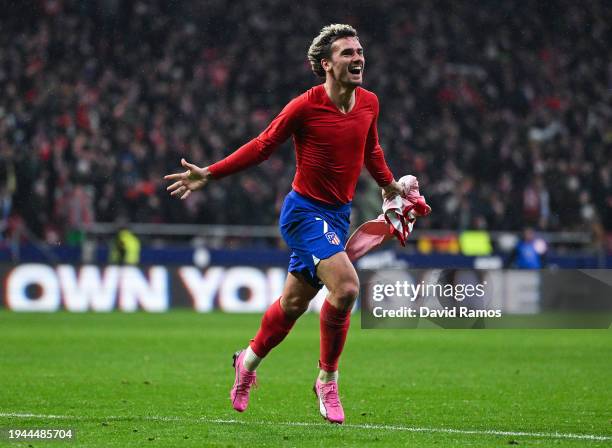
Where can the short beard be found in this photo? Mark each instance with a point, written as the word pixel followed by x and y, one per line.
pixel 348 81
pixel 354 83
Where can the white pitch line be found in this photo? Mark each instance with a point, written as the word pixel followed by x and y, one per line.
pixel 486 432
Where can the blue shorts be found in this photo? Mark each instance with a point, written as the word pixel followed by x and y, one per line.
pixel 313 231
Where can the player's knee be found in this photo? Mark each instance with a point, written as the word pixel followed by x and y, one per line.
pixel 346 293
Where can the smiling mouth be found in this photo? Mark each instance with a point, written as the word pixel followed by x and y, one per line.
pixel 356 70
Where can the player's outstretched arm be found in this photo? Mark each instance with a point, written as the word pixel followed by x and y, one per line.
pixel 193 179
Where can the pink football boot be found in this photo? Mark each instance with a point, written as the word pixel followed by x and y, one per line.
pixel 329 402
pixel 242 383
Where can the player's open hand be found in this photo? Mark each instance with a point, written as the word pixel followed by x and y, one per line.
pixel 187 181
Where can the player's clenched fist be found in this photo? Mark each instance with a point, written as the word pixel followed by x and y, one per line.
pixel 391 190
pixel 187 181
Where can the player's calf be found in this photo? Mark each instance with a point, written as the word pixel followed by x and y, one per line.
pixel 294 306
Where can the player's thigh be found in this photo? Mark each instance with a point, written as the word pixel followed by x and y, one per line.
pixel 297 293
pixel 339 276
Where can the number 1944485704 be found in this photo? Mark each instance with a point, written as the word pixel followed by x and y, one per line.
pixel 16 434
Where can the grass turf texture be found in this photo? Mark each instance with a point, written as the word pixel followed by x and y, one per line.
pixel 163 380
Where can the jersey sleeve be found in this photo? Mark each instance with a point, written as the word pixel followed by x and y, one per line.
pixel 262 146
pixel 374 157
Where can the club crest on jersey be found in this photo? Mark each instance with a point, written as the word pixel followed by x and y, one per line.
pixel 332 238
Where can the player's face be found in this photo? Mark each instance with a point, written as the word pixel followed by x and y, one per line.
pixel 347 61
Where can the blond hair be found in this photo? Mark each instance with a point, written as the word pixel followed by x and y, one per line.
pixel 320 48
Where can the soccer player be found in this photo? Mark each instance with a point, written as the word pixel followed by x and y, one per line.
pixel 334 130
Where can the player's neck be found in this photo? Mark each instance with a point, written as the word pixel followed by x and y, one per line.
pixel 341 95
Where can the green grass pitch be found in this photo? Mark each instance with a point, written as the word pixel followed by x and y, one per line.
pixel 163 380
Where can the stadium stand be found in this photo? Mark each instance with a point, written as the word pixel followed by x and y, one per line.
pixel 502 112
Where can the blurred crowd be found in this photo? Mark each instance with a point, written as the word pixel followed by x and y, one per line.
pixel 502 109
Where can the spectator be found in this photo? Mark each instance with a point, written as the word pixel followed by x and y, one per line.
pixel 125 247
pixel 529 253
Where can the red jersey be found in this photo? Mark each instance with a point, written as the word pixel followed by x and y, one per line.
pixel 331 147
